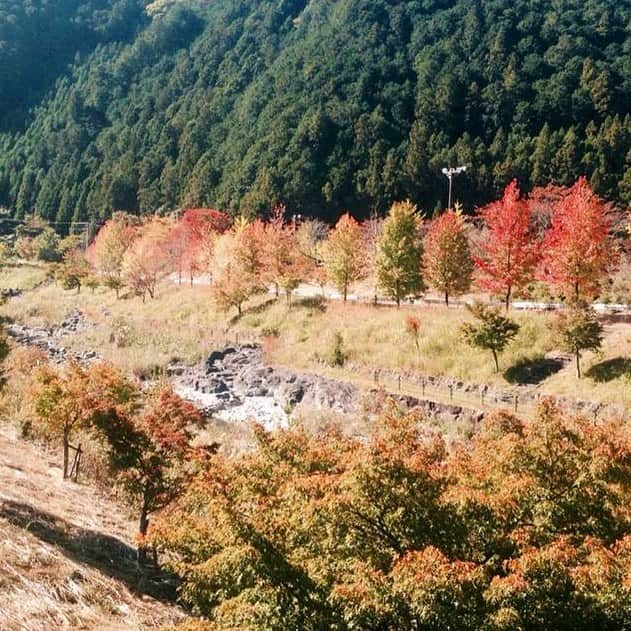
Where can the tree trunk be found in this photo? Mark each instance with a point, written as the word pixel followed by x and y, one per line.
pixel 276 290
pixel 66 441
pixel 507 299
pixel 497 364
pixel 345 292
pixel 446 298
pixel 143 526
pixel 577 294
pixel 578 363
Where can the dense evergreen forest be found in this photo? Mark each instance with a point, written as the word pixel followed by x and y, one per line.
pixel 323 105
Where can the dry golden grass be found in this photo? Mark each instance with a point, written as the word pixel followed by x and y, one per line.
pixel 22 276
pixel 62 552
pixel 377 338
pixel 179 325
pixel 182 324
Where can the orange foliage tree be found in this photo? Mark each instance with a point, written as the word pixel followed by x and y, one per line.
pixel 509 252
pixel 447 261
pixel 284 266
pixel 106 253
pixel 526 526
pixel 192 238
pixel 238 264
pixel 148 442
pixel 577 249
pixel 147 260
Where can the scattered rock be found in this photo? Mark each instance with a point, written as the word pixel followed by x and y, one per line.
pixel 45 338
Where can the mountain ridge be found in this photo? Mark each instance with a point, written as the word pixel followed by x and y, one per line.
pixel 344 104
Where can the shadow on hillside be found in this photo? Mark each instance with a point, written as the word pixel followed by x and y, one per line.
pixel 109 555
pixel 253 310
pixel 313 303
pixel 610 370
pixel 533 371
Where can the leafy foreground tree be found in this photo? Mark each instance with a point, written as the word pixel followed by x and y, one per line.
pixel 60 407
pixel 148 446
pixel 399 261
pixel 525 527
pixel 492 331
pixel 447 261
pixel 579 330
pixel 146 435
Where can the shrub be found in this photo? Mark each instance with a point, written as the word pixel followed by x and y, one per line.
pixel 336 355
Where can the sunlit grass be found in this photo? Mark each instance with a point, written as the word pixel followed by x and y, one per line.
pixel 182 324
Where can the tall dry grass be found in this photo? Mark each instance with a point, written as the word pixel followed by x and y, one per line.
pixel 182 324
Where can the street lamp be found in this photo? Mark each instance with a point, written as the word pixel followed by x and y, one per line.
pixel 450 172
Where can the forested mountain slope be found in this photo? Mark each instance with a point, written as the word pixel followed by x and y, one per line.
pixel 321 104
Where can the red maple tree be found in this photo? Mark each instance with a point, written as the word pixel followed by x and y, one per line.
pixel 509 253
pixel 577 248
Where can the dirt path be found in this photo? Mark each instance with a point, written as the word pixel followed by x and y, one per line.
pixel 67 558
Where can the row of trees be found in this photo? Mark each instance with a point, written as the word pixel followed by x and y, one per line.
pixel 561 236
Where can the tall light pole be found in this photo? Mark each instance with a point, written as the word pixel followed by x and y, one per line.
pixel 450 172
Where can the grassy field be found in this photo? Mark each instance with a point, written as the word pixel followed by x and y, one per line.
pixel 182 324
pixel 22 276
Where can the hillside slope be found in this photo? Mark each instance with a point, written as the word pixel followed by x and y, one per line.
pixel 66 554
pixel 326 105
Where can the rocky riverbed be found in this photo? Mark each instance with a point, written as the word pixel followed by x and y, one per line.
pixel 235 384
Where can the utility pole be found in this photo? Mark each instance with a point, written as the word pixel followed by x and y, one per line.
pixel 449 173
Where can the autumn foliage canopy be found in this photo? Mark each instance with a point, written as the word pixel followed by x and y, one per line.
pixel 526 527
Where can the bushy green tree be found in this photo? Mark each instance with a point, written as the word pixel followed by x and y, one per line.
pixel 491 331
pixel 47 246
pixel 399 261
pixel 579 330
